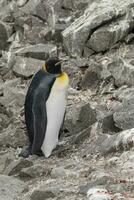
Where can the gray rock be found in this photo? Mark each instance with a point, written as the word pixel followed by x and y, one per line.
pixel 5 160
pixel 5 32
pixel 6 11
pixel 70 67
pixel 87 52
pixel 9 83
pixel 41 195
pixel 10 188
pixel 103 194
pixel 16 166
pixel 35 171
pixel 58 172
pixel 39 51
pixel 80 137
pixel 124 114
pixel 76 35
pixel 26 67
pixel 12 137
pixel 105 120
pixel 98 193
pixel 13 97
pixel 52 12
pixel 119 142
pixel 68 4
pixel 79 117
pixel 122 70
pixel 57 36
pixel 129 38
pixel 34 8
pixel 21 2
pixel 104 38
pixel 92 77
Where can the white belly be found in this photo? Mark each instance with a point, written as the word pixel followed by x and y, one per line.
pixel 55 107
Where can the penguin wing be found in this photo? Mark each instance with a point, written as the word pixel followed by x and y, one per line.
pixel 39 112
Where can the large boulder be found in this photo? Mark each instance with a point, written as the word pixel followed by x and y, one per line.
pixel 122 70
pixel 38 51
pixel 79 117
pixel 124 115
pixel 105 37
pixel 119 142
pixel 26 67
pixel 96 15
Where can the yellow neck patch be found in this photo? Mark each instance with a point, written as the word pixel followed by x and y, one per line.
pixel 63 77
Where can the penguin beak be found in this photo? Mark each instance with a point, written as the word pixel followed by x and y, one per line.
pixel 60 62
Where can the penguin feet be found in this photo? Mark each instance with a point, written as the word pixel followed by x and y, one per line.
pixel 25 153
pixel 39 153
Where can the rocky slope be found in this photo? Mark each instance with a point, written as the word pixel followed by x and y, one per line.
pixel 95 156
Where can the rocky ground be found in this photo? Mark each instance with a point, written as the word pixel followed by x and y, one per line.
pixel 95 156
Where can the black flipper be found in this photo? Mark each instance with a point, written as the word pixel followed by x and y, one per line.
pixel 40 123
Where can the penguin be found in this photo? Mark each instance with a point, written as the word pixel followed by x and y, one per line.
pixel 45 106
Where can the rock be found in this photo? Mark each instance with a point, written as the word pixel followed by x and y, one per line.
pixel 68 4
pixel 35 30
pixel 5 32
pixel 77 34
pixel 58 172
pixel 80 137
pixel 13 97
pixel 26 67
pixel 129 38
pixel 122 70
pixel 119 142
pixel 59 27
pixel 52 8
pixel 35 171
pixel 103 194
pixel 6 159
pixel 41 195
pixel 9 83
pixel 124 115
pixel 6 11
pixel 97 178
pixel 126 169
pixel 105 120
pixel 38 51
pixel 79 117
pixel 73 72
pixel 34 8
pixel 16 166
pixel 104 38
pixel 4 120
pixel 92 77
pixel 21 2
pixel 10 188
pixel 98 193
pixel 87 52
pixel 12 137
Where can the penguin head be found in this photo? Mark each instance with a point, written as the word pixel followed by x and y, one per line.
pixel 53 66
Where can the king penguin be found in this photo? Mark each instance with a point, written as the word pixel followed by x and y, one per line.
pixel 45 106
